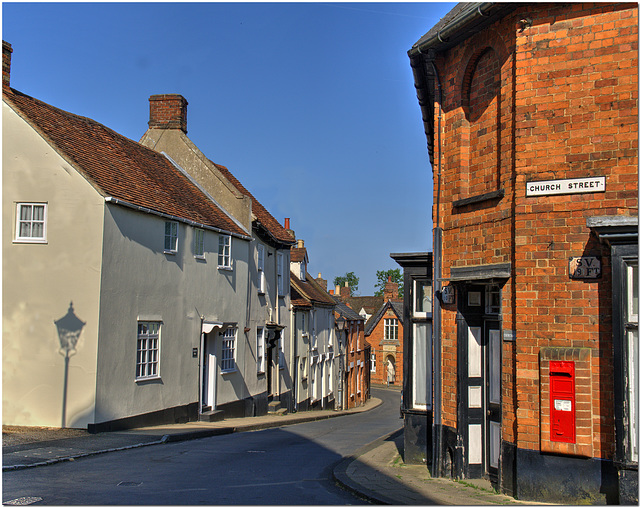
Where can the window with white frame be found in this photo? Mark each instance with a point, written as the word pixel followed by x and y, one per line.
pixel 228 362
pixel 421 381
pixel 373 360
pixel 390 329
pixel 303 271
pixel 171 237
pixel 421 298
pixel 280 271
pixel 31 222
pixel 312 331
pixel 198 243
pixel 262 286
pixel 631 325
pixel 281 349
pixel 148 350
pixel 260 350
pixel 314 376
pixel 330 374
pixel 224 251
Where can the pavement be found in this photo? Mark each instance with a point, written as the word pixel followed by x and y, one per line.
pixel 375 473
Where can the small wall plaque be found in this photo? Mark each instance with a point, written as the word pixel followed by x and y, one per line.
pixel 584 268
pixel 448 295
pixel 508 335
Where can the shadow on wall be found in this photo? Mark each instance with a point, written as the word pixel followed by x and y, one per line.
pixel 69 329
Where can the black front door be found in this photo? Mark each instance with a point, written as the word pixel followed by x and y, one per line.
pixel 479 381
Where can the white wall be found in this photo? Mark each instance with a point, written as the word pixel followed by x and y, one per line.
pixel 41 280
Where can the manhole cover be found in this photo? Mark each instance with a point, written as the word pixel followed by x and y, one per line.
pixel 23 500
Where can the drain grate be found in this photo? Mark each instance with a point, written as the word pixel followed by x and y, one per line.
pixel 23 500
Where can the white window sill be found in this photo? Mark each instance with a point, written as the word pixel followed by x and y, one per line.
pixel 142 380
pixel 32 241
pixel 170 252
pixel 199 257
pixel 225 268
pixel 227 372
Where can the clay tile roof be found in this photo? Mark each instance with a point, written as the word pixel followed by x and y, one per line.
pixel 119 167
pixel 297 300
pixel 298 254
pixel 311 291
pixel 262 215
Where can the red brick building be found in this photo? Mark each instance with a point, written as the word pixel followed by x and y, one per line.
pixel 354 356
pixel 531 117
pixel 384 331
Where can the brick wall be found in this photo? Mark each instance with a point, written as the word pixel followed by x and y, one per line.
pixel 552 100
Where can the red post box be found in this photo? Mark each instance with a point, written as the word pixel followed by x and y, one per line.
pixel 563 401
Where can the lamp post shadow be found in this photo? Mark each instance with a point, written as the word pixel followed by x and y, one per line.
pixel 69 328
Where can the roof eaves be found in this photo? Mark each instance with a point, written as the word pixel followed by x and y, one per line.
pixel 463 21
pixel 142 209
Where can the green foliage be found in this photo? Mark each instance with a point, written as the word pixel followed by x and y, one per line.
pixel 396 276
pixel 351 278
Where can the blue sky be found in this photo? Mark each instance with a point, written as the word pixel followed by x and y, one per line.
pixel 310 105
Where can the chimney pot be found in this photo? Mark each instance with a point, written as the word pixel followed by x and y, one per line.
pixel 301 243
pixel 168 111
pixel 287 223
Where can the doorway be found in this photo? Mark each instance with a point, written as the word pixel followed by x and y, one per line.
pixel 480 379
pixel 209 373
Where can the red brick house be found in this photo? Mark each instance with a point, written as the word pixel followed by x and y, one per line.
pixel 531 118
pixel 383 331
pixel 355 353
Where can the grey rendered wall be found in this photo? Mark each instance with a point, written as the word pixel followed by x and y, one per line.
pixel 141 282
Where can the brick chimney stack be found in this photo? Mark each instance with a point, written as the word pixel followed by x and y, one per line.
pixel 6 66
pixel 168 111
pixel 390 291
pixel 322 282
pixel 287 227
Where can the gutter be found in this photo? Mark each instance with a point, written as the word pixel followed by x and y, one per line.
pixel 443 35
pixel 142 209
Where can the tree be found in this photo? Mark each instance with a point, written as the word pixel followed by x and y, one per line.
pixel 349 278
pixel 396 276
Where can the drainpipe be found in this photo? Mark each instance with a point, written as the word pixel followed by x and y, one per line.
pixel 437 311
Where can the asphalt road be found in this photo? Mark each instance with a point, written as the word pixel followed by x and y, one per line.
pixel 285 466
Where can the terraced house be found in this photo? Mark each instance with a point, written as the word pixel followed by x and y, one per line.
pixel 133 294
pixel 531 117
